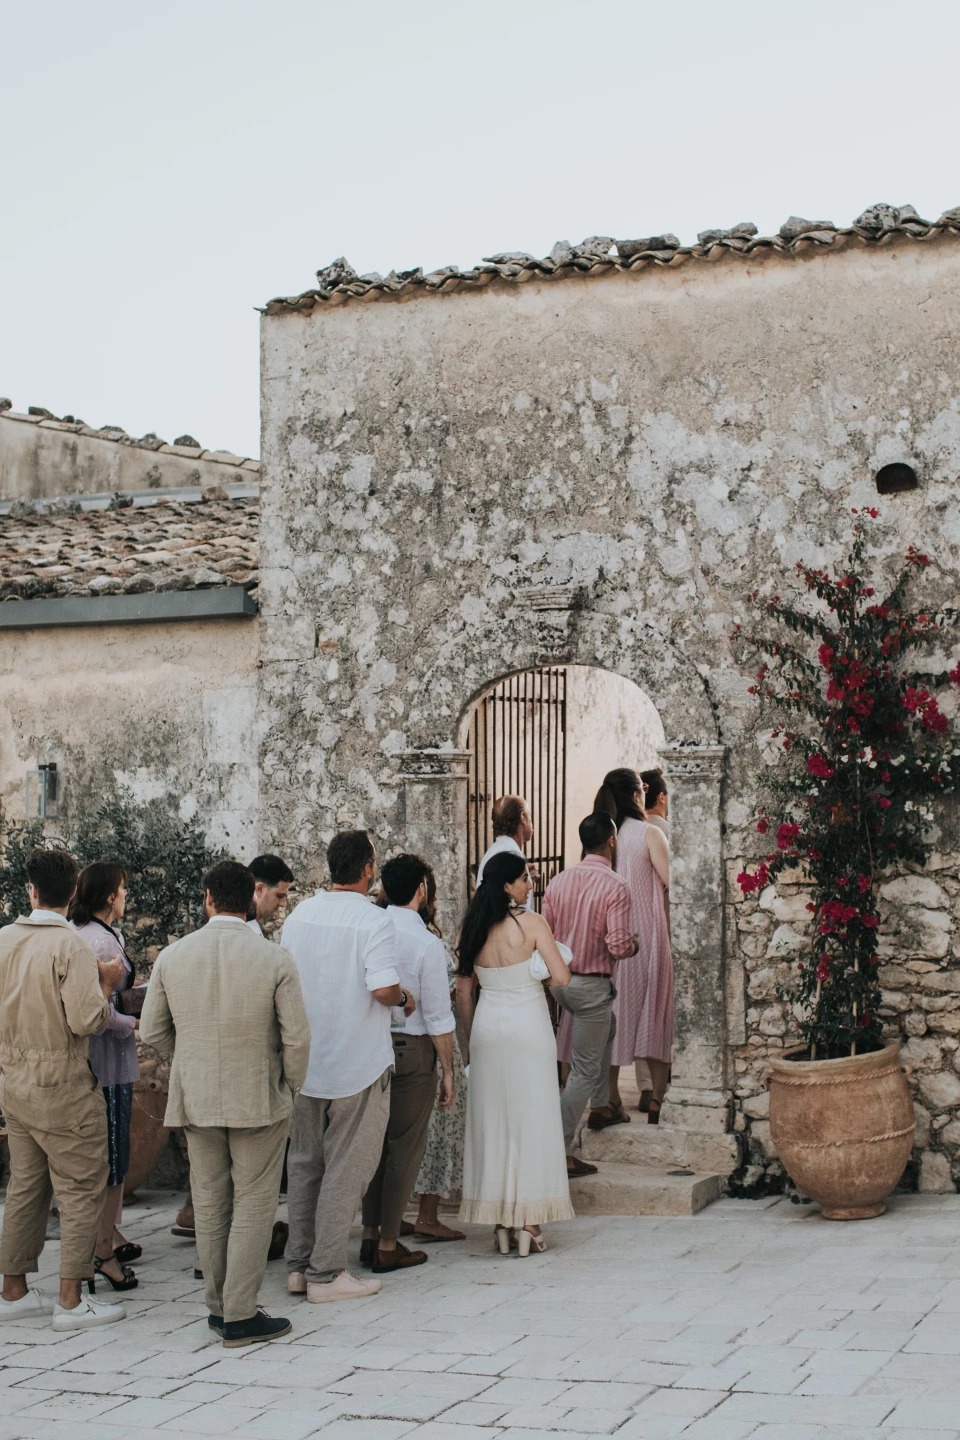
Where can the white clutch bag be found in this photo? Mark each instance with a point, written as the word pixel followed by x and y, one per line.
pixel 538 966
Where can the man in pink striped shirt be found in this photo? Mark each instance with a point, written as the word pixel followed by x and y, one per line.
pixel 588 908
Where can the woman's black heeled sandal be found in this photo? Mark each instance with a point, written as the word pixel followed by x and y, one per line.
pixel 129 1281
pixel 127 1252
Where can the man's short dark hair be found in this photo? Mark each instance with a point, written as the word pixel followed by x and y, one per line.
pixel 231 887
pixel 271 870
pixel 54 873
pixel 402 877
pixel 507 814
pixel 348 854
pixel 655 786
pixel 596 830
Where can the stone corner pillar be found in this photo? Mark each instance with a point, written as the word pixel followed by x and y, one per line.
pixel 433 789
pixel 698 1095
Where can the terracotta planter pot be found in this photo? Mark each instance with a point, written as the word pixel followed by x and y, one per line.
pixel 843 1128
pixel 148 1134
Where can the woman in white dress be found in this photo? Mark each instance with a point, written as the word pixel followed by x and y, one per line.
pixel 514 1166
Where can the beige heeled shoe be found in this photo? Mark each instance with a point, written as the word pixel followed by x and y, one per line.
pixel 501 1236
pixel 526 1242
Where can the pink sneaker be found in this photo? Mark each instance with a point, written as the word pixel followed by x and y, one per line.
pixel 296 1283
pixel 345 1287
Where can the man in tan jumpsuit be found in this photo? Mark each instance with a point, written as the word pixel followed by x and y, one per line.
pixel 53 994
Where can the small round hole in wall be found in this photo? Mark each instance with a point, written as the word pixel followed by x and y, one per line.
pixel 894 479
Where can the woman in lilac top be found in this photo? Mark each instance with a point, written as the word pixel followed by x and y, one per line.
pixel 95 913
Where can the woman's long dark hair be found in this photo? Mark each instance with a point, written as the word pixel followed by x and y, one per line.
pixel 95 885
pixel 616 796
pixel 488 908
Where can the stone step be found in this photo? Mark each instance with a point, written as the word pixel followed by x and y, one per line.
pixel 660 1147
pixel 633 1190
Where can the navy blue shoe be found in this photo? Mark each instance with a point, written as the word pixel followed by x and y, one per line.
pixel 249 1332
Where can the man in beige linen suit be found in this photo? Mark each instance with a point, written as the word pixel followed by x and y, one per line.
pixel 228 1005
pixel 52 996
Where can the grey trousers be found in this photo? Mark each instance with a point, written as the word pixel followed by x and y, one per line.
pixel 413 1094
pixel 589 999
pixel 235 1176
pixel 335 1148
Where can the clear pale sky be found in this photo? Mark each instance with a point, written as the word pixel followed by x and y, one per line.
pixel 167 167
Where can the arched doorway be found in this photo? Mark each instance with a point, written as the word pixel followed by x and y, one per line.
pixel 550 734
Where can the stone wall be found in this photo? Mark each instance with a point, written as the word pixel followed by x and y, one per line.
pixel 590 472
pixel 43 456
pixel 167 710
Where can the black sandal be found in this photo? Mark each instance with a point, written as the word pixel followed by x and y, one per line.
pixel 129 1281
pixel 127 1251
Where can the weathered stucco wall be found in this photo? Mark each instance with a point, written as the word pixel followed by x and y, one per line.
pixel 166 710
pixel 40 457
pixel 439 470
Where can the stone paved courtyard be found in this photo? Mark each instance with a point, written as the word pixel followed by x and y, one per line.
pixel 754 1319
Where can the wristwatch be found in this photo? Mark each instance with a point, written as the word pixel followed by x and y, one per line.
pixel 406 997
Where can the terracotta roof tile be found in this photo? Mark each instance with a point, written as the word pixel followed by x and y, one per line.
pixel 175 544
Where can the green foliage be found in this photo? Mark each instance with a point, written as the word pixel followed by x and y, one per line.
pixel 17 839
pixel 164 857
pixel 865 748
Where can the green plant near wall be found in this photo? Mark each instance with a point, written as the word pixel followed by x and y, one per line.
pixel 164 857
pixel 865 750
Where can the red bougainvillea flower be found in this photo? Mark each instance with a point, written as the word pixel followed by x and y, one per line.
pixel 825 655
pixel 762 827
pixel 955 674
pixel 749 883
pixel 870 921
pixel 823 969
pixel 865 1019
pixel 819 766
pixel 786 836
pixel 864 882
pixel 884 803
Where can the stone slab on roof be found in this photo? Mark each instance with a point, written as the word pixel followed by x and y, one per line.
pixel 65 548
pixel 879 225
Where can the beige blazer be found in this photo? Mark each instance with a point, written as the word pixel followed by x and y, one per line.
pixel 50 1001
pixel 227 1005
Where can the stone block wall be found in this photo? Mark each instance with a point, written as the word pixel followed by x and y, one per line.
pixel 919 946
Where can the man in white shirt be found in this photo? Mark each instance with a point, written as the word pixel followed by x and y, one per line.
pixel 427 1033
pixel 512 832
pixel 344 948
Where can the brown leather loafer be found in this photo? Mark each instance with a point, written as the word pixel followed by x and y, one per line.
pixel 399 1259
pixel 579 1167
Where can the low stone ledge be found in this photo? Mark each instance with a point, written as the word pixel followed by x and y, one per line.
pixel 226 603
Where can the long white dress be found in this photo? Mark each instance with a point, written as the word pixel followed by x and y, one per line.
pixel 514 1164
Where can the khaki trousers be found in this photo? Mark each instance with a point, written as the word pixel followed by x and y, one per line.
pixel 235 1177
pixel 589 999
pixel 57 1141
pixel 413 1094
pixel 334 1149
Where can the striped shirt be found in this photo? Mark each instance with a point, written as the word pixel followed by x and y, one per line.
pixel 588 908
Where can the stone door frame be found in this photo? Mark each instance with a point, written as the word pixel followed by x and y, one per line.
pixel 433 778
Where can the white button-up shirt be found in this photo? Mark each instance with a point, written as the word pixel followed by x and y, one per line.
pixel 344 948
pixel 422 962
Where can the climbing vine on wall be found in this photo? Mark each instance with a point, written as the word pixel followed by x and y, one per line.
pixel 865 749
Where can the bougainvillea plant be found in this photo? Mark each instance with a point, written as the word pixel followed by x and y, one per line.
pixel 866 747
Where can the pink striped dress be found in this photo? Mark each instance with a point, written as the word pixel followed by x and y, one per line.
pixel 644 1003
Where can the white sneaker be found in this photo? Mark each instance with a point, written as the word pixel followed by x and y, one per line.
pixel 87 1314
pixel 345 1287
pixel 35 1302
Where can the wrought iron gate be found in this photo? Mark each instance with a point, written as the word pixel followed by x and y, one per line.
pixel 517 742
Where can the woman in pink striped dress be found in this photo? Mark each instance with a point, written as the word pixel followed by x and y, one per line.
pixel 644 1003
